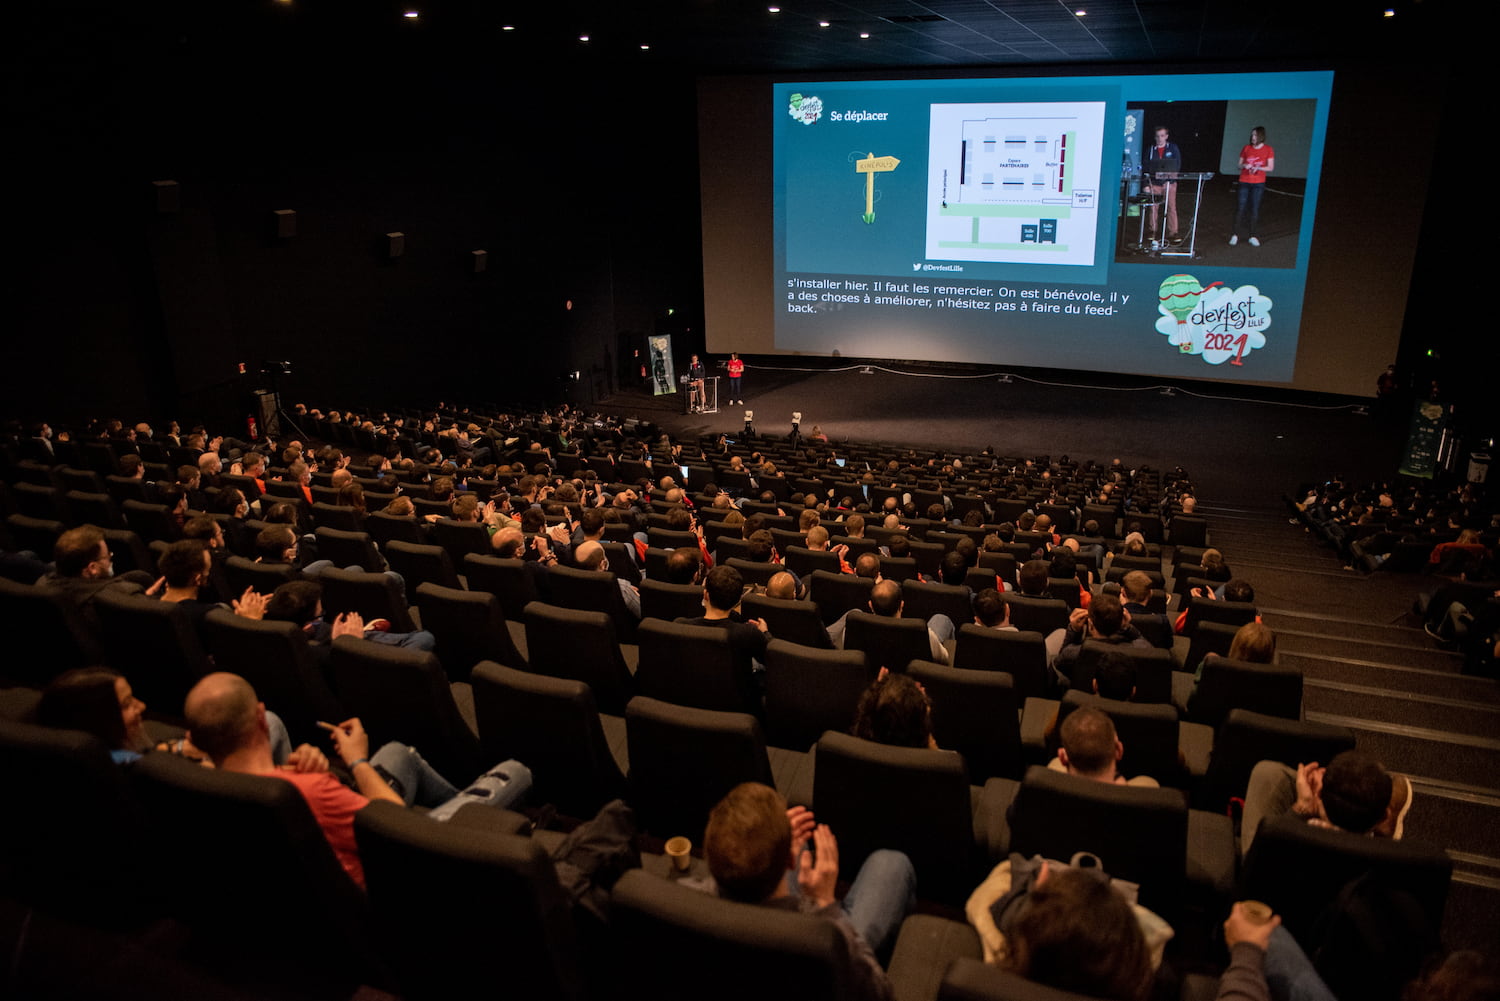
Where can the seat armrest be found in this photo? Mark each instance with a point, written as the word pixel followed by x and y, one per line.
pixel 991 826
pixel 478 817
pixel 1211 859
pixel 1183 683
pixel 925 948
pixel 1035 716
pixel 1196 742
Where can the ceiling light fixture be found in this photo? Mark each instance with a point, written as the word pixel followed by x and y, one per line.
pixel 1390 12
pixel 507 27
pixel 645 47
pixel 864 34
pixel 1080 12
pixel 583 38
pixel 822 24
pixel 413 15
pixel 774 10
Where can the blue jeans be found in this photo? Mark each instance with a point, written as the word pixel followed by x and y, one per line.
pixel 419 784
pixel 420 640
pixel 883 893
pixel 315 569
pixel 734 388
pixel 943 626
pixel 1249 198
pixel 281 741
pixel 1290 974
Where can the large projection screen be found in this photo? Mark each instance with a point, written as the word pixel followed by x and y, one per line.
pixel 1066 222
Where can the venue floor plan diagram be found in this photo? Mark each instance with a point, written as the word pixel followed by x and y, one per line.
pixel 1015 183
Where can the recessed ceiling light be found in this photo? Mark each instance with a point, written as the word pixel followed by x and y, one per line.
pixel 645 47
pixel 864 34
pixel 583 38
pixel 774 10
pixel 507 27
pixel 822 24
pixel 1390 12
pixel 411 14
pixel 1080 12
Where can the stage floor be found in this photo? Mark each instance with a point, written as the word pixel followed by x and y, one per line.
pixel 1240 451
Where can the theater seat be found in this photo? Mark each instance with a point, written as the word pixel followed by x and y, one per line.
pixel 678 944
pixel 282 863
pixel 975 713
pixel 1300 870
pixel 553 727
pixel 445 895
pixel 469 627
pixel 1021 654
pixel 913 800
pixel 887 642
pixel 567 643
pixel 810 690
pixel 403 695
pixel 683 761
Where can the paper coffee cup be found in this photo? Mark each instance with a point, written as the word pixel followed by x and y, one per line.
pixel 680 851
pixel 1255 912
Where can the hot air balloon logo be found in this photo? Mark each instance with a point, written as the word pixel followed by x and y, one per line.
pixel 1179 296
pixel 1215 322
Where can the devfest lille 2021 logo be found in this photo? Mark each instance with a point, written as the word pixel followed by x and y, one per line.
pixel 1213 321
pixel 805 109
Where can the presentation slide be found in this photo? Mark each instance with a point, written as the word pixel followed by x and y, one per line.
pixel 1155 224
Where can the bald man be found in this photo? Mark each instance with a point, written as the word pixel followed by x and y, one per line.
pixel 592 557
pixel 782 587
pixel 885 600
pixel 228 723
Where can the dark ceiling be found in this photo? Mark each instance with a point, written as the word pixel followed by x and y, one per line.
pixel 744 35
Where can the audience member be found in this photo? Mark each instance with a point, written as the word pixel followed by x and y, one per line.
pixel 1353 793
pixel 1091 749
pixel 885 600
pixel 761 852
pixel 1105 620
pixel 894 710
pixel 230 725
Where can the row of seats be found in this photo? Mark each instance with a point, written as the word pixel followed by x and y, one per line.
pixel 1046 805
pixel 425 879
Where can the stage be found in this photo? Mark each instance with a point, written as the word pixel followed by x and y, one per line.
pixel 1237 444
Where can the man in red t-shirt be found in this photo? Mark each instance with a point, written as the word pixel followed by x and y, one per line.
pixel 1256 161
pixel 228 724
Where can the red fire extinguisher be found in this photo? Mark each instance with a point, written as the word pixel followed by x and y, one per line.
pixel 252 427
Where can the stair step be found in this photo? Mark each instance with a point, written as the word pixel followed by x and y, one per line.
pixel 1463 820
pixel 1381 705
pixel 1351 648
pixel 1393 677
pixel 1451 757
pixel 1473 912
pixel 1289 620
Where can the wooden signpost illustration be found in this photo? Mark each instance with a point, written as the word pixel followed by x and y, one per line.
pixel 870 166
